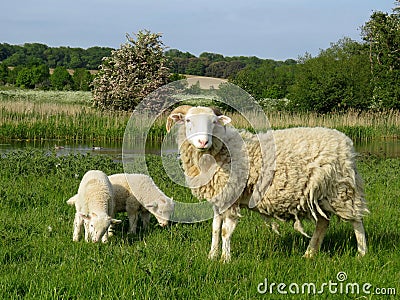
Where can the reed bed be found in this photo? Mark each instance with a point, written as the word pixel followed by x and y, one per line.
pixel 359 125
pixel 68 115
pixel 25 120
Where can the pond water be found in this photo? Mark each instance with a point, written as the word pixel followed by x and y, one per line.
pixel 386 148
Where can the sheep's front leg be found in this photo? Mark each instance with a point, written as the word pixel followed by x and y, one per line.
pixel 317 238
pixel 78 222
pixel 360 236
pixel 228 226
pixel 216 229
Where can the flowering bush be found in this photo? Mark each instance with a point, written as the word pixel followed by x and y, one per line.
pixel 132 72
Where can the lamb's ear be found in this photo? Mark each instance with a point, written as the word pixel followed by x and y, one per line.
pixel 224 119
pixel 115 221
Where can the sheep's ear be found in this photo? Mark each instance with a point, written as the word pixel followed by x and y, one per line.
pixel 152 205
pixel 72 200
pixel 115 221
pixel 174 118
pixel 177 115
pixel 84 216
pixel 224 119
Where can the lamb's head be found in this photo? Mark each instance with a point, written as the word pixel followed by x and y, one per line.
pixel 201 124
pixel 98 225
pixel 162 208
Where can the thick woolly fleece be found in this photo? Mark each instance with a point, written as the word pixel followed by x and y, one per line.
pixel 289 174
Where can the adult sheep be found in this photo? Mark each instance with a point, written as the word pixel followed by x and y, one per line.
pixel 94 205
pixel 291 174
pixel 137 193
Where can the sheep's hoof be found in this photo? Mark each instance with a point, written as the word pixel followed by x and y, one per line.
pixel 310 253
pixel 225 258
pixel 212 255
pixel 361 254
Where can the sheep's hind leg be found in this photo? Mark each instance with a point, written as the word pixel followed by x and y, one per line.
pixel 216 229
pixel 360 236
pixel 317 237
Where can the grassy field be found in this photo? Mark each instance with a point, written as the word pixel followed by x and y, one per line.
pixel 38 259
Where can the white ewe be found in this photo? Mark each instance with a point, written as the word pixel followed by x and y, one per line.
pixel 137 193
pixel 289 174
pixel 94 205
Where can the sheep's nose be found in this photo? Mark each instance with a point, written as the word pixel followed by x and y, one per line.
pixel 203 143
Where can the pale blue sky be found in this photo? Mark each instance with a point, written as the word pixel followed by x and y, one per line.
pixel 276 29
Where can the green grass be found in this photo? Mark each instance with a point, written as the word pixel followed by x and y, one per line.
pixel 38 259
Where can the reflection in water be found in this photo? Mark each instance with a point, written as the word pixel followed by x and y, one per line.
pixel 386 148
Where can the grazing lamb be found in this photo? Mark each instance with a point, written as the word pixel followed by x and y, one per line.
pixel 94 205
pixel 137 193
pixel 291 174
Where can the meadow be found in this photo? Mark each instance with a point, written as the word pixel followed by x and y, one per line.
pixel 38 259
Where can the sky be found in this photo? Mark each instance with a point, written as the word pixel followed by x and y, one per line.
pixel 270 29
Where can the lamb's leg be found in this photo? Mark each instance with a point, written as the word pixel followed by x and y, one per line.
pixel 78 222
pixel 360 236
pixel 133 218
pixel 216 229
pixel 228 226
pixel 317 237
pixel 104 238
pixel 88 236
pixel 145 216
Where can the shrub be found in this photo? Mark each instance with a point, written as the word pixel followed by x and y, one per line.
pixel 138 68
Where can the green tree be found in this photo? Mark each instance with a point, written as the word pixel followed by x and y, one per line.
pixel 3 73
pixel 131 73
pixel 382 34
pixel 61 79
pixel 266 80
pixel 82 79
pixel 33 77
pixel 335 80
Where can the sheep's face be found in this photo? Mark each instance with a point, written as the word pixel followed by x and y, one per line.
pixel 162 209
pixel 98 225
pixel 201 124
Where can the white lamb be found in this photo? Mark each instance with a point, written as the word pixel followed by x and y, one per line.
pixel 94 205
pixel 137 193
pixel 290 174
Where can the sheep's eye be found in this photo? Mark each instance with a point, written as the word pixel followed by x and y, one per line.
pixel 187 121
